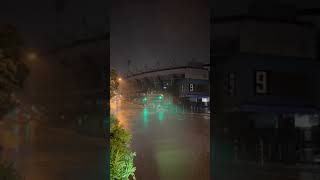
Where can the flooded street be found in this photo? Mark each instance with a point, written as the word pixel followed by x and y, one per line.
pixel 169 145
pixel 41 152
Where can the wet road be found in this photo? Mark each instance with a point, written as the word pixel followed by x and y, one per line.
pixel 275 171
pixel 41 152
pixel 169 145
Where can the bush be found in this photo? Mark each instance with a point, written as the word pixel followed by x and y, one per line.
pixel 7 172
pixel 121 156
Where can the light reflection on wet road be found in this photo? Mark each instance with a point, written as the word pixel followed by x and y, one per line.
pixel 169 145
pixel 40 152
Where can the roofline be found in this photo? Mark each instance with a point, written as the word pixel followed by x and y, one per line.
pixel 239 18
pixel 309 12
pixel 263 56
pixel 79 42
pixel 165 69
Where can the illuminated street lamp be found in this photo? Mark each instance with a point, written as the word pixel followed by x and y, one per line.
pixel 119 79
pixel 32 56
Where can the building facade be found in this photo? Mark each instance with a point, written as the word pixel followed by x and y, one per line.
pixel 265 71
pixel 187 84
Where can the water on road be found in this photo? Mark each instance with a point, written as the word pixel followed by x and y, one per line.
pixel 41 152
pixel 169 145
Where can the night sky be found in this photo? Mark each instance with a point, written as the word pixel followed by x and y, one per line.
pixel 143 31
pixel 169 31
pixel 32 18
pixel 36 20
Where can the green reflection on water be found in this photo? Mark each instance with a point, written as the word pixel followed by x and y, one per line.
pixel 145 117
pixel 161 116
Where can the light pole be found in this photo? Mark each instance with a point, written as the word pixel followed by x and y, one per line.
pixel 120 84
pixel 31 60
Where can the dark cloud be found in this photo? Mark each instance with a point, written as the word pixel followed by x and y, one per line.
pixel 166 31
pixel 37 19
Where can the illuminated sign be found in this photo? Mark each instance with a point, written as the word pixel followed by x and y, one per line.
pixel 205 100
pixel 191 87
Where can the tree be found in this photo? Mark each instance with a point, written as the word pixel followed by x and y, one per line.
pixel 13 71
pixel 114 84
pixel 121 156
pixel 8 172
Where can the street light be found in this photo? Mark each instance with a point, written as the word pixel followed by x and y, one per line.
pixel 32 56
pixel 119 79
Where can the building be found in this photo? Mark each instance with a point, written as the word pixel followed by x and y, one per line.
pixel 265 66
pixel 189 84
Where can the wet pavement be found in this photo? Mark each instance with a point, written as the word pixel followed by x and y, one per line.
pixel 41 152
pixel 277 171
pixel 169 145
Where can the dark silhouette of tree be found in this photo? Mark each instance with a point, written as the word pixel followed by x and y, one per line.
pixel 13 71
